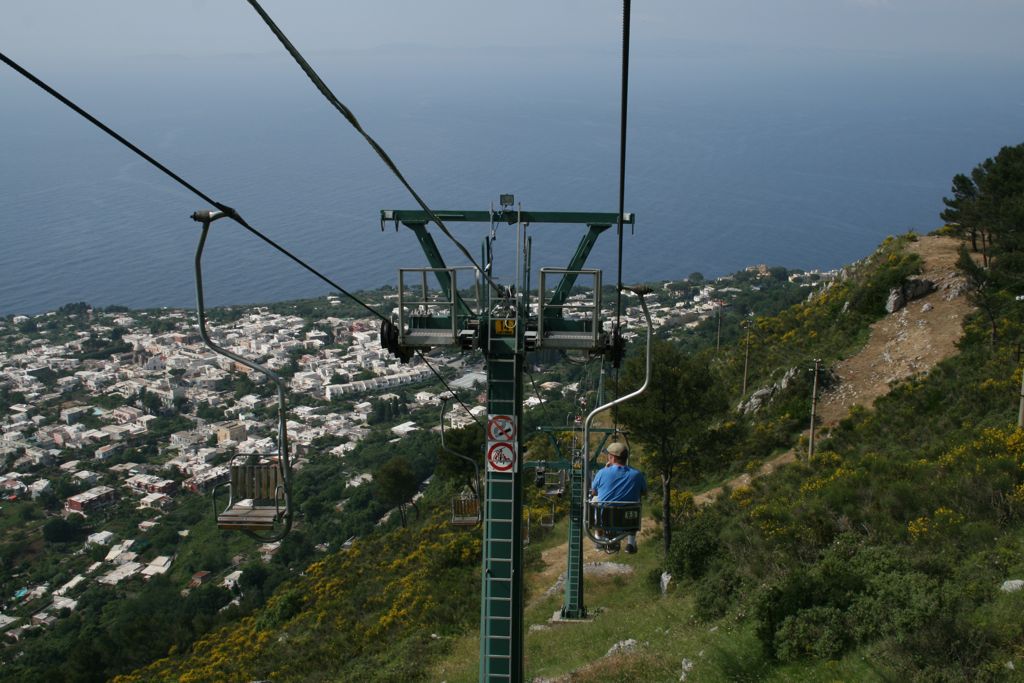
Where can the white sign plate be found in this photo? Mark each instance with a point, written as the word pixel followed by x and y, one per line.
pixel 501 456
pixel 501 428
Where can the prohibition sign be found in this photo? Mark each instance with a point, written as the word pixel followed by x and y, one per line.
pixel 501 428
pixel 501 457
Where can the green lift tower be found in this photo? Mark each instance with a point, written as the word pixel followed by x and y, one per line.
pixel 504 322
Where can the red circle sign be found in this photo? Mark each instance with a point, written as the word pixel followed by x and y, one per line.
pixel 501 428
pixel 501 457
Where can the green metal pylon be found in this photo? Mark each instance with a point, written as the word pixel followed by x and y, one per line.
pixel 573 606
pixel 501 604
pixel 504 329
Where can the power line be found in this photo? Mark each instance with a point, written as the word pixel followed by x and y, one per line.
pixel 351 118
pixel 228 211
pixel 449 389
pixel 534 383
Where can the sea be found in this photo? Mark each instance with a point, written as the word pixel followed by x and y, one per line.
pixel 734 158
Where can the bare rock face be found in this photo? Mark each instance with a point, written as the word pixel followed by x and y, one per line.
pixel 757 400
pixel 913 288
pixel 766 395
pixel 627 645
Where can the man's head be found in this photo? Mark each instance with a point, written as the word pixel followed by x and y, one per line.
pixel 618 452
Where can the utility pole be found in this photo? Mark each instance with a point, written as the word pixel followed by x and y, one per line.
pixel 718 334
pixel 1020 410
pixel 814 402
pixel 746 361
pixel 504 323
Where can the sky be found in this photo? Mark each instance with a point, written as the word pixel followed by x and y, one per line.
pixel 70 31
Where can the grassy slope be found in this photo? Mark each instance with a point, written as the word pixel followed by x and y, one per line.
pixel 402 599
pixel 666 627
pixel 937 611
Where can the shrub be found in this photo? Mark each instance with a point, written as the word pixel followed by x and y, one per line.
pixel 715 593
pixel 817 632
pixel 694 545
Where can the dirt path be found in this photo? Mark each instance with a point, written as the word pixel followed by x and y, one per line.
pixel 905 343
pixel 910 341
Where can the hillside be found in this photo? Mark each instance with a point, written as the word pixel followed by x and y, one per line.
pixel 422 597
pixel 913 340
pixel 893 553
pixel 908 342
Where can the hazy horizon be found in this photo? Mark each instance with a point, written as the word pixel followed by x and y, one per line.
pixel 798 134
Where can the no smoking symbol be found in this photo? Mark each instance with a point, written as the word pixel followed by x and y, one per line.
pixel 501 428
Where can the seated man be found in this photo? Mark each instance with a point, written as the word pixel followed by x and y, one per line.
pixel 619 483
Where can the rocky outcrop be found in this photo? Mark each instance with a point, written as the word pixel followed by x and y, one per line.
pixel 627 645
pixel 913 288
pixel 764 396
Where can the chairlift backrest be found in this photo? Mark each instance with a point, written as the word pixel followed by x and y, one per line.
pixel 465 506
pixel 465 510
pixel 256 482
pixel 547 520
pixel 554 482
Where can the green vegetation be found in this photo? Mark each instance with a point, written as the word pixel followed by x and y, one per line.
pixel 400 597
pixel 368 612
pixel 880 558
pixel 673 419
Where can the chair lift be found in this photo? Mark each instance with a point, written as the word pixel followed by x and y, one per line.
pixel 608 522
pixel 547 520
pixel 554 482
pixel 465 506
pixel 614 520
pixel 259 494
pixel 554 486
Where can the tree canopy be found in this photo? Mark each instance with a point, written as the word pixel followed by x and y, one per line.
pixel 987 208
pixel 671 419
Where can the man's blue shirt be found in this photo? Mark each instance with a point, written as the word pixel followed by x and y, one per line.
pixel 619 483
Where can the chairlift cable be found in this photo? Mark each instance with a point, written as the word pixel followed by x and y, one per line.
pixel 624 101
pixel 230 212
pixel 534 383
pixel 350 117
pixel 622 154
pixel 448 388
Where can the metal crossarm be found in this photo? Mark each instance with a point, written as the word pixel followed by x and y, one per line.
pixel 510 217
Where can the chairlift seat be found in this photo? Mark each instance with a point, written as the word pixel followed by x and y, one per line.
pixel 255 496
pixel 615 519
pixel 547 520
pixel 554 482
pixel 465 511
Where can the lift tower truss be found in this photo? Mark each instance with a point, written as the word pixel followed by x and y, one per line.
pixel 504 324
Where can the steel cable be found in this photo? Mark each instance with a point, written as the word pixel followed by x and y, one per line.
pixel 228 211
pixel 350 117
